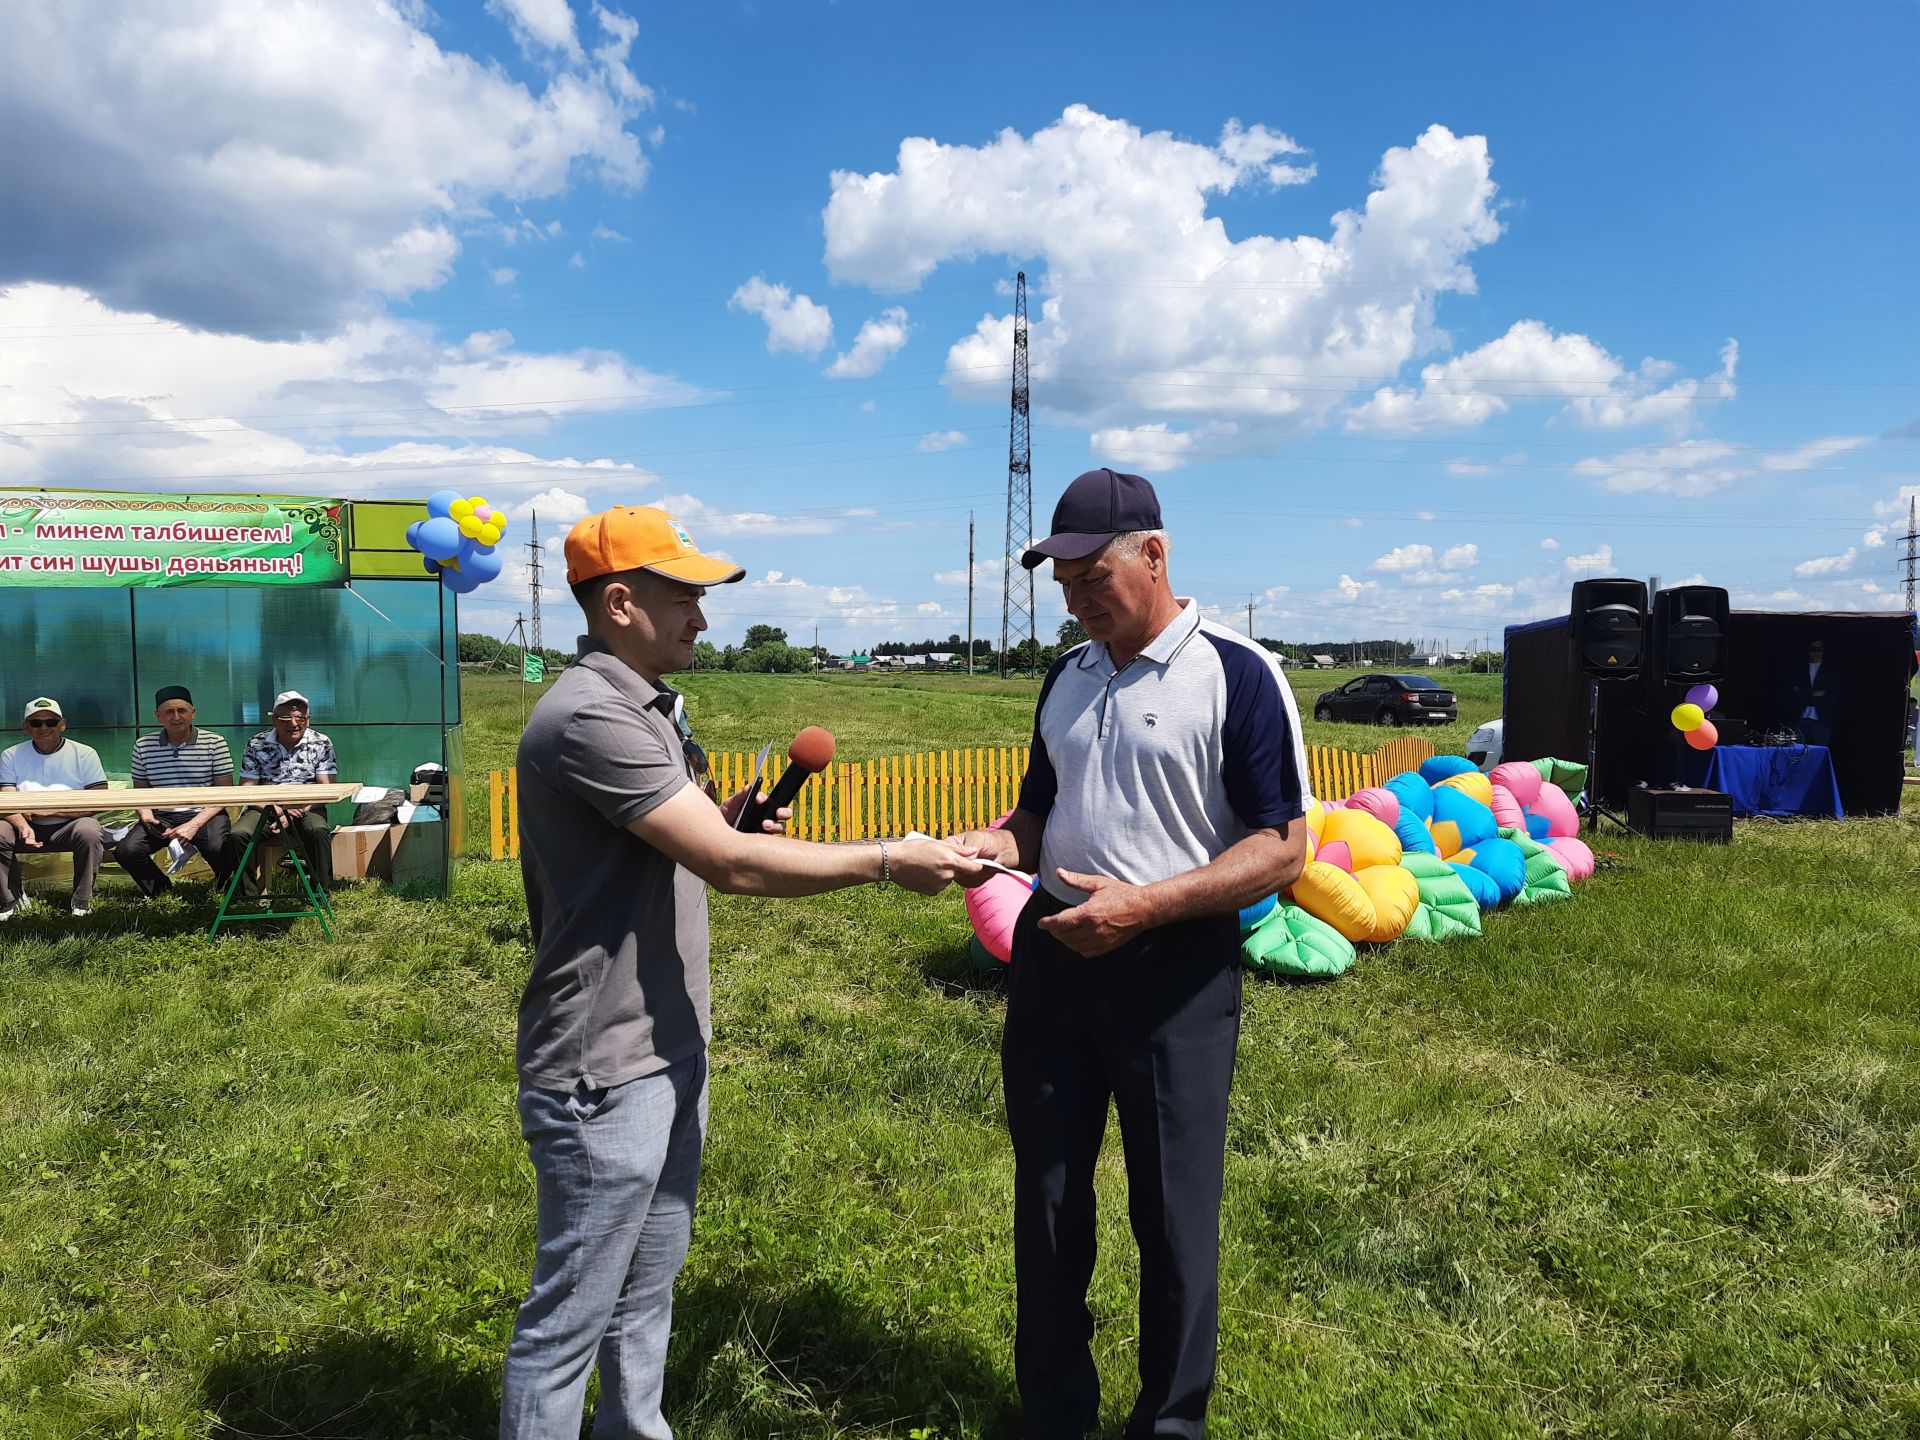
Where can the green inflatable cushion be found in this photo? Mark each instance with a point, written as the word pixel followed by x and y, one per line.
pixel 1292 942
pixel 1568 775
pixel 1447 907
pixel 1546 876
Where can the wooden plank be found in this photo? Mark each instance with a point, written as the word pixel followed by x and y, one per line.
pixel 496 816
pixel 513 814
pixel 172 797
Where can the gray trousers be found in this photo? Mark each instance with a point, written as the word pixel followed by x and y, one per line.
pixel 79 833
pixel 616 1170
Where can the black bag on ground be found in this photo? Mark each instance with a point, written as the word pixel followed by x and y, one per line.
pixel 384 811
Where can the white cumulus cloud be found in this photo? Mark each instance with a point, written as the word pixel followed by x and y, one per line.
pixel 276 169
pixel 935 440
pixel 1827 564
pixel 794 322
pixel 879 340
pixel 1600 558
pixel 1687 468
pixel 1148 308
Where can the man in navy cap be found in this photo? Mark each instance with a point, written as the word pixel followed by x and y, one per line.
pixel 1164 794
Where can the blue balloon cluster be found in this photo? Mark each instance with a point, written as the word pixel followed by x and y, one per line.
pixel 457 540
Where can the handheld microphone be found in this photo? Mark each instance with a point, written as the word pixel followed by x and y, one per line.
pixel 810 753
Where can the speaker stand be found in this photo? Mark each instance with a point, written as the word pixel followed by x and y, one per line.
pixel 1595 809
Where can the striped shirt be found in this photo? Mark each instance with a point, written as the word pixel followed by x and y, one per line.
pixel 203 760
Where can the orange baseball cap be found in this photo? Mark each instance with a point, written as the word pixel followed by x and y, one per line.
pixel 642 537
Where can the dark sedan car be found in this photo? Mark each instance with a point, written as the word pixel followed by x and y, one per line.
pixel 1389 700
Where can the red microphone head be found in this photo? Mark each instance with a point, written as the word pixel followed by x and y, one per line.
pixel 812 749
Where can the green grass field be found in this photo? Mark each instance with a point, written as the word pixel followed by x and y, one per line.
pixel 1639 1165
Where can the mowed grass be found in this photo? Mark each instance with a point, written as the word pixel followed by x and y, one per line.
pixel 1642 1164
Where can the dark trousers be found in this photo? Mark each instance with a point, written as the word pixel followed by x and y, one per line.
pixel 311 832
pixel 1153 1027
pixel 135 853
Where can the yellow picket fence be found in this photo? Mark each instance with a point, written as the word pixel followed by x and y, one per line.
pixel 938 792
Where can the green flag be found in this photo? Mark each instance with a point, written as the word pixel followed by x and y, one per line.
pixel 533 669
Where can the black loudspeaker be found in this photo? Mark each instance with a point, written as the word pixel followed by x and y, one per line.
pixel 1608 621
pixel 1688 641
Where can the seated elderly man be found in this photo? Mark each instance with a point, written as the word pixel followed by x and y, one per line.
pixel 178 754
pixel 49 761
pixel 289 754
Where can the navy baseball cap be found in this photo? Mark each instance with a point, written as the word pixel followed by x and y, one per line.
pixel 1097 506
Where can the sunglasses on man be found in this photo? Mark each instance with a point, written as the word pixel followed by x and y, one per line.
pixel 45 722
pixel 697 760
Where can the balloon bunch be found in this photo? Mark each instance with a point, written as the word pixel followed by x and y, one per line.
pixel 457 539
pixel 1690 717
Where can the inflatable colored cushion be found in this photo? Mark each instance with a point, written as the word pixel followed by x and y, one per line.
pixel 1377 801
pixel 1447 904
pixel 1503 862
pixel 1553 804
pixel 1292 942
pixel 1537 826
pixel 1330 894
pixel 1474 820
pixel 1470 782
pixel 1414 836
pixel 1574 855
pixel 1486 894
pixel 1413 793
pixel 1546 877
pixel 993 907
pixel 1256 912
pixel 1518 776
pixel 1395 896
pixel 1441 766
pixel 1370 842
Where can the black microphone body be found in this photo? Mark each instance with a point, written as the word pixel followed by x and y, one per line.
pixel 784 789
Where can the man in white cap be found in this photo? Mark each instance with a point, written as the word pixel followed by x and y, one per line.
pixel 291 753
pixel 47 760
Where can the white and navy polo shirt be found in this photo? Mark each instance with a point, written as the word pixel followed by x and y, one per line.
pixel 1158 768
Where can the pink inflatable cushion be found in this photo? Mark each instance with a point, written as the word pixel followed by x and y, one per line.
pixel 993 907
pixel 1520 778
pixel 1508 809
pixel 1562 819
pixel 1382 804
pixel 1337 853
pixel 1574 854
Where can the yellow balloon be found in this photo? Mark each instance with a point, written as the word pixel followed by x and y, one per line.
pixel 488 535
pixel 470 527
pixel 476 501
pixel 1688 717
pixel 460 509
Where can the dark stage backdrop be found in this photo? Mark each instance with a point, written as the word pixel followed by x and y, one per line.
pixel 1870 657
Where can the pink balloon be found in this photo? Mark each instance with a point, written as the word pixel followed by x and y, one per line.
pixel 1337 855
pixel 483 513
pixel 1383 805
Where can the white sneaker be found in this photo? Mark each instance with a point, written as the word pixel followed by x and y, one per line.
pixel 7 914
pixel 82 911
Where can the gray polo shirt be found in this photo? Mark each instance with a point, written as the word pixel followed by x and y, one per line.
pixel 1157 768
pixel 619 986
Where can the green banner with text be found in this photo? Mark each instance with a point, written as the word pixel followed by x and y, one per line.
pixel 110 539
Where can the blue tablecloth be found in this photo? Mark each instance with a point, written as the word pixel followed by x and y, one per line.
pixel 1773 780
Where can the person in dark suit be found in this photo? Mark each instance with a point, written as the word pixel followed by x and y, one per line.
pixel 1812 695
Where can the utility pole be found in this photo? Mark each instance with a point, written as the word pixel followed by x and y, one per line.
pixel 533 573
pixel 1250 617
pixel 1016 611
pixel 1912 537
pixel 969 592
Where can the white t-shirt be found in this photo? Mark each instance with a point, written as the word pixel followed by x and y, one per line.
pixel 72 767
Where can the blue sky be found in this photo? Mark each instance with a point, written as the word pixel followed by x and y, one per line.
pixel 1629 294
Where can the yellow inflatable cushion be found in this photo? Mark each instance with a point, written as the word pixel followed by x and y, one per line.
pixel 1395 894
pixel 1371 841
pixel 1329 893
pixel 1446 838
pixel 1316 818
pixel 1471 782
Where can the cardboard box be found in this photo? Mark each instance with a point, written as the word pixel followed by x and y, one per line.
pixel 356 850
pixel 398 854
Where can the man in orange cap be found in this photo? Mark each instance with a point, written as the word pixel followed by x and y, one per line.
pixel 619 839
